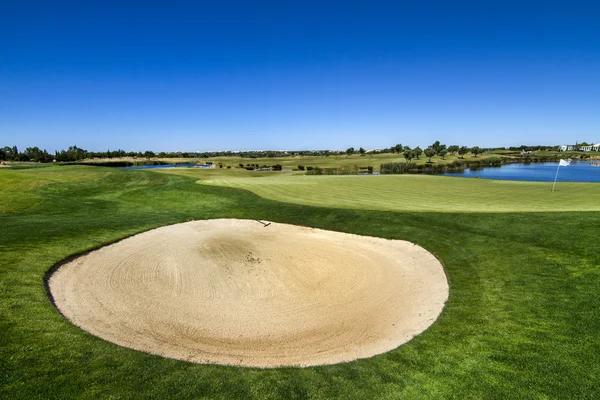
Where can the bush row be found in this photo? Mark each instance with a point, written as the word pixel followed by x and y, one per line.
pixel 252 167
pixel 458 165
pixel 345 170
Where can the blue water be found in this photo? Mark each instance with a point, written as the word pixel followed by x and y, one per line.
pixel 583 171
pixel 159 166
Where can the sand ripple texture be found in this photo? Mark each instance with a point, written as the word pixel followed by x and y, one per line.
pixel 237 293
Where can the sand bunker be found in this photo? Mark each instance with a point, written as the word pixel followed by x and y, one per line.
pixel 235 292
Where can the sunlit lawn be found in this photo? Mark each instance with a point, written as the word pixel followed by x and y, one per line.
pixel 522 320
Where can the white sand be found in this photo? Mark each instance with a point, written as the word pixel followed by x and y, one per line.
pixel 234 292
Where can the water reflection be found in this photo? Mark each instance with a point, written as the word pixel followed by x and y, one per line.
pixel 578 171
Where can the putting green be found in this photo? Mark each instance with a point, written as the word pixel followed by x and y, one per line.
pixel 418 193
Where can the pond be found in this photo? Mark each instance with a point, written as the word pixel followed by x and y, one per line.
pixel 578 171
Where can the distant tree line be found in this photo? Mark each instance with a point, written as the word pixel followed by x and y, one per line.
pixel 435 149
pixel 30 154
pixel 534 148
pixel 75 154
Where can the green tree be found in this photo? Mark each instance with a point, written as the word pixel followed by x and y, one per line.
pixel 429 152
pixel 350 150
pixel 443 153
pixel 453 149
pixel 73 153
pixel 476 150
pixel 409 155
pixel 462 151
pixel 362 151
pixel 37 155
pixel 397 148
pixel 437 147
pixel 32 153
pixel 9 153
pixel 418 151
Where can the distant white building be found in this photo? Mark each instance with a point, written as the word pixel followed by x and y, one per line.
pixel 593 147
pixel 573 147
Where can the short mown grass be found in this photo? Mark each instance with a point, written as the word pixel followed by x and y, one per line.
pixel 522 319
pixel 408 192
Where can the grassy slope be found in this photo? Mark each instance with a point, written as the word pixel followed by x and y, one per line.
pixel 522 319
pixel 409 192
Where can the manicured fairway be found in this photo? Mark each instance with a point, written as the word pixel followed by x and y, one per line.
pixel 411 192
pixel 522 319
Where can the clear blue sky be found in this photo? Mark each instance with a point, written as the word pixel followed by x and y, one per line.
pixel 215 75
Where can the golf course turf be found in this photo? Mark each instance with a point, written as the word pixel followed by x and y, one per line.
pixel 521 321
pixel 412 192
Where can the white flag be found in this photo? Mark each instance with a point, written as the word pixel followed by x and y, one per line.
pixel 564 163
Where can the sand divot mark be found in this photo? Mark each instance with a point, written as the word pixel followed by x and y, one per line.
pixel 231 292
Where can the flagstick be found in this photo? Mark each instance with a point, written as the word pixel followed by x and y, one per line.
pixel 556 176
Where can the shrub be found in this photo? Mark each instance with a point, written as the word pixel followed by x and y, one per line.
pixel 394 168
pixel 314 171
pixel 346 170
pixel 455 166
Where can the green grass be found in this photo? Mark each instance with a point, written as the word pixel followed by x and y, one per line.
pixel 522 320
pixel 374 160
pixel 321 161
pixel 409 192
pixel 332 161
